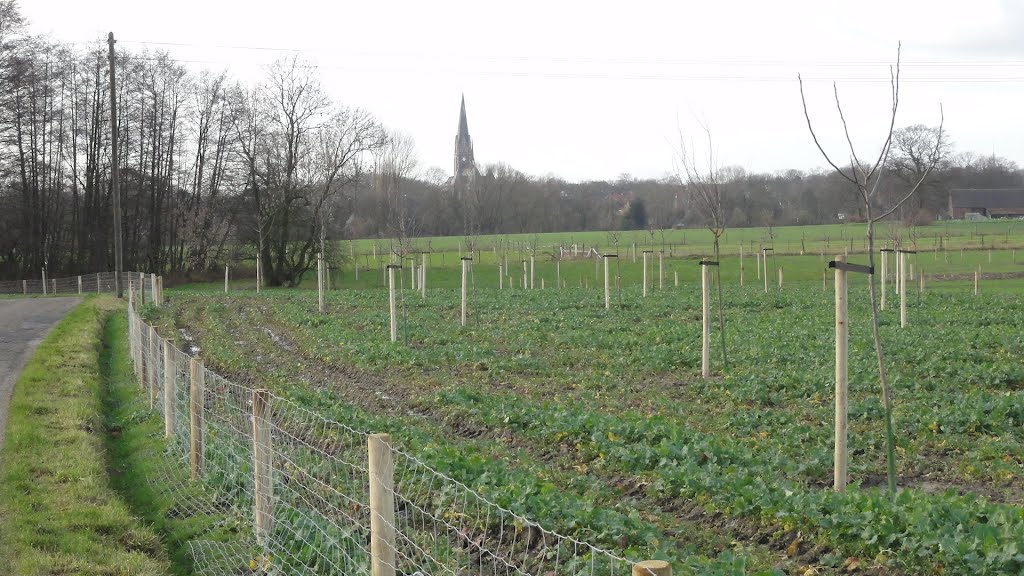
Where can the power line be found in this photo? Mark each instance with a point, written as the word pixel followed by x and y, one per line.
pixel 989 78
pixel 603 60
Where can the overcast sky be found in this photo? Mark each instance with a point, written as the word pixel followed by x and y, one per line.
pixel 590 90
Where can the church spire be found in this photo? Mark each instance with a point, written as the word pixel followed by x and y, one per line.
pixel 463 124
pixel 463 145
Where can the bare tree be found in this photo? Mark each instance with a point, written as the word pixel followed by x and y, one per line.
pixel 865 178
pixel 338 150
pixel 394 162
pixel 917 149
pixel 703 180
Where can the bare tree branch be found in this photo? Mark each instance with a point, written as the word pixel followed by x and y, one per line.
pixel 810 127
pixel 934 158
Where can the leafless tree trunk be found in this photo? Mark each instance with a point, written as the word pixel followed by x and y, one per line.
pixel 865 178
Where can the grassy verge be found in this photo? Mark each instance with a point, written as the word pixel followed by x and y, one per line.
pixel 154 483
pixel 58 511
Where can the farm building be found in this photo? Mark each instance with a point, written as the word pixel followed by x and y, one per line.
pixel 990 202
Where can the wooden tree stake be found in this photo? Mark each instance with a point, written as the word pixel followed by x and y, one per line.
pixel 885 260
pixel 391 302
pixel 705 300
pixel 842 379
pixel 321 302
pixel 463 314
pixel 903 289
pixel 645 274
pixel 661 273
pixel 607 287
pixel 764 262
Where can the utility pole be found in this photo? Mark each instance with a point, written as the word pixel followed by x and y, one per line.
pixel 115 189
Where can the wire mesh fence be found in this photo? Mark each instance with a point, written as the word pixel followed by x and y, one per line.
pixel 316 496
pixel 92 283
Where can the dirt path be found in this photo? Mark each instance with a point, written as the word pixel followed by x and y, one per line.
pixel 24 322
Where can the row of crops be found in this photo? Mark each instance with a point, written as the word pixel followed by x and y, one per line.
pixel 597 423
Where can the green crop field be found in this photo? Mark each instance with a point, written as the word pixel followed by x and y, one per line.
pixel 598 424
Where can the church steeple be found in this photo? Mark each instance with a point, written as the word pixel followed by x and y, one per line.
pixel 463 124
pixel 463 144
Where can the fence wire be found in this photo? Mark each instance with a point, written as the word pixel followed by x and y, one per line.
pixel 91 283
pixel 319 515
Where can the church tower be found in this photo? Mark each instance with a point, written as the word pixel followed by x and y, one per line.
pixel 465 165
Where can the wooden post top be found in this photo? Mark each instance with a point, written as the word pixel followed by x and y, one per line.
pixel 652 568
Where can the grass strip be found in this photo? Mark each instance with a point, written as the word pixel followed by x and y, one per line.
pixel 59 513
pixel 150 475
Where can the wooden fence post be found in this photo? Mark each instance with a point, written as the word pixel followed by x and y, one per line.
pixel 97 282
pixel 196 404
pixel 225 278
pixel 153 289
pixel 976 281
pixel 170 391
pixel 79 285
pixel 780 277
pixel 263 471
pixel 652 568
pixel 382 505
pixel 44 281
pixel 423 277
pixel 54 281
pixel 151 365
pixel 842 379
pixel 24 287
pixel 142 288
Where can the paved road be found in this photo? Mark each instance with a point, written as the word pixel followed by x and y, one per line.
pixel 24 322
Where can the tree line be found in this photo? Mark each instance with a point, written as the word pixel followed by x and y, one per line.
pixel 214 170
